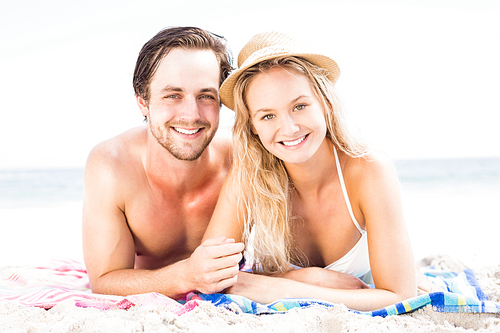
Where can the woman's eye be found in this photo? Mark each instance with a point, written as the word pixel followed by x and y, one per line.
pixel 300 107
pixel 268 117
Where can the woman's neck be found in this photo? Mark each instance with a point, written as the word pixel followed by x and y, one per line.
pixel 310 177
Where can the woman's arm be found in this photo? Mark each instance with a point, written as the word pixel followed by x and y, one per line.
pixel 374 190
pixel 225 221
pixel 266 289
pixel 379 200
pixel 322 277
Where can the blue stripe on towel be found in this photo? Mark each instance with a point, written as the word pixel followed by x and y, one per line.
pixel 473 282
pixel 461 293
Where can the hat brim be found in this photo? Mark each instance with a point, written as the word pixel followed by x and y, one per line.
pixel 226 91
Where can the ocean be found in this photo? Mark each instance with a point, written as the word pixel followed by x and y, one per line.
pixel 40 216
pixel 38 188
pixel 450 207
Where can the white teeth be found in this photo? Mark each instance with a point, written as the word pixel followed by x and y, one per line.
pixel 183 131
pixel 293 143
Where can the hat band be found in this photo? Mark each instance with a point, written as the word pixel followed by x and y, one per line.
pixel 268 52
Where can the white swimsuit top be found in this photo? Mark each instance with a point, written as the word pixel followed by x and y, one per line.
pixel 355 262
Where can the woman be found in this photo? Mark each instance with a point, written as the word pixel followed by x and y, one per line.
pixel 304 191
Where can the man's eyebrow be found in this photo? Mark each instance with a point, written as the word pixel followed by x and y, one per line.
pixel 179 89
pixel 209 90
pixel 171 88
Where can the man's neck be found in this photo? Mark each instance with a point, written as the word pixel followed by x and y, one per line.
pixel 165 170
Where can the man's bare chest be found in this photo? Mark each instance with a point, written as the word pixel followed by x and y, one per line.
pixel 168 228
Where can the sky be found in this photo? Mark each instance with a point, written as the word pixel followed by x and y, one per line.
pixel 419 79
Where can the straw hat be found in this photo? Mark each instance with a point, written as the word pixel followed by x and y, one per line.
pixel 270 45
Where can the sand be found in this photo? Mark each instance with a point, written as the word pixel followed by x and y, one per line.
pixel 430 232
pixel 66 317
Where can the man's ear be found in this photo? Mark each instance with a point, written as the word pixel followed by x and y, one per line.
pixel 143 105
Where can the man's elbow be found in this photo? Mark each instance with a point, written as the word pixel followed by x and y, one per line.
pixel 100 285
pixel 96 286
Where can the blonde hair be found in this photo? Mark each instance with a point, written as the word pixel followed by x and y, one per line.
pixel 265 198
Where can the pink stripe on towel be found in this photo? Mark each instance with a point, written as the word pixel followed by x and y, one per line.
pixel 67 281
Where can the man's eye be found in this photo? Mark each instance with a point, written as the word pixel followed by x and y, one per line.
pixel 208 97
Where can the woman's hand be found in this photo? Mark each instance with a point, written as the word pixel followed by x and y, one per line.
pixel 265 289
pixel 260 288
pixel 424 286
pixel 326 278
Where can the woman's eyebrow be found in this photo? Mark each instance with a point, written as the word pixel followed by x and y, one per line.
pixel 293 101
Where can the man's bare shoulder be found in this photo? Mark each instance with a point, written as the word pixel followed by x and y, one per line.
pixel 117 156
pixel 221 148
pixel 119 149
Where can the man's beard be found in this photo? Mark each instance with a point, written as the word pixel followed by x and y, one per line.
pixel 182 150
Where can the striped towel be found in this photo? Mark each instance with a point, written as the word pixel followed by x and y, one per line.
pixel 461 293
pixel 67 281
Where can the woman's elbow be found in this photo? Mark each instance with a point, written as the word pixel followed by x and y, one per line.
pixel 406 292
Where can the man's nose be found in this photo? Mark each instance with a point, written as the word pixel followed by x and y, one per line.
pixel 189 110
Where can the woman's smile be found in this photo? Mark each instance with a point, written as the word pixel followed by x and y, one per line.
pixel 294 143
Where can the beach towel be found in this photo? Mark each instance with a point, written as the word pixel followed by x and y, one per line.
pixel 461 293
pixel 67 281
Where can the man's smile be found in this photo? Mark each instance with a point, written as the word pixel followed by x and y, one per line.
pixel 186 131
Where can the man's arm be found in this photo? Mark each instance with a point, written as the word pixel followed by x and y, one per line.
pixel 109 249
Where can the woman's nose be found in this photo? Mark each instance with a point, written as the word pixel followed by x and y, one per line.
pixel 289 125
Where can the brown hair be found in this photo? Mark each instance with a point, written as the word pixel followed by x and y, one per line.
pixel 183 37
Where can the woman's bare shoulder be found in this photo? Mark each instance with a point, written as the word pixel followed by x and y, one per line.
pixel 374 168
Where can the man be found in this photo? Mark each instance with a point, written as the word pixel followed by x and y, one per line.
pixel 149 193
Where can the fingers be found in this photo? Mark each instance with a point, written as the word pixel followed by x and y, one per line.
pixel 224 284
pixel 223 263
pixel 217 241
pixel 219 247
pixel 214 265
pixel 216 257
pixel 223 250
pixel 217 281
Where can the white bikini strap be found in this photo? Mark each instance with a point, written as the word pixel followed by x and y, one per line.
pixel 344 191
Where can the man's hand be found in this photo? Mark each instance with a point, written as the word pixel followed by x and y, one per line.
pixel 213 266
